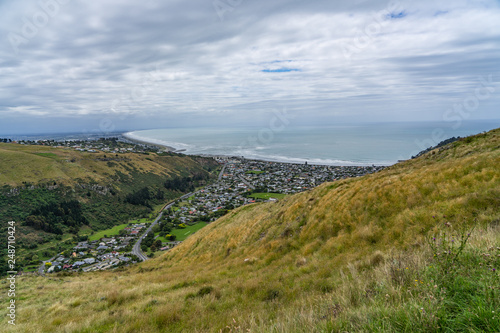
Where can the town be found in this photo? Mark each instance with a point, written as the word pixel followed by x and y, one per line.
pixel 110 144
pixel 107 252
pixel 240 182
pixel 243 182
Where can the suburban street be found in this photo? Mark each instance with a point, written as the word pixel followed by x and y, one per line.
pixel 221 173
pixel 42 266
pixel 246 182
pixel 137 246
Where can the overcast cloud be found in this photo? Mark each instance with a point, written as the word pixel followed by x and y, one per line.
pixel 72 65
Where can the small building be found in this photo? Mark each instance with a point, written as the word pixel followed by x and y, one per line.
pixel 89 261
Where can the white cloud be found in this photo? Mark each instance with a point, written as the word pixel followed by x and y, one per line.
pixel 335 60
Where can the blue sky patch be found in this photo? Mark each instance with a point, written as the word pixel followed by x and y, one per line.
pixel 441 12
pixel 397 15
pixel 281 70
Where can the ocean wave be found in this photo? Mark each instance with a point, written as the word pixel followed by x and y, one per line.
pixel 255 153
pixel 171 144
pixel 312 161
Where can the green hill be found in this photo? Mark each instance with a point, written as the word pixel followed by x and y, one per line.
pixel 95 191
pixel 21 164
pixel 413 248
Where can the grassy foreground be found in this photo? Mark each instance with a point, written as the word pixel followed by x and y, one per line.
pixel 414 248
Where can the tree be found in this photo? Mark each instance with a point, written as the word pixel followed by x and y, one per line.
pixel 149 239
pixel 160 195
pixel 140 197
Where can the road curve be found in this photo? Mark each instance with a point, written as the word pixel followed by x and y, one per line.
pixel 42 266
pixel 137 246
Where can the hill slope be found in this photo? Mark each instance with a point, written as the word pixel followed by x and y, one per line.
pixel 35 164
pixel 350 256
pixel 104 189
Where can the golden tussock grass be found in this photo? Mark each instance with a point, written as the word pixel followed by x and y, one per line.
pixel 36 164
pixel 325 260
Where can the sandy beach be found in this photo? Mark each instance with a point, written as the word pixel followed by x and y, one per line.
pixel 131 138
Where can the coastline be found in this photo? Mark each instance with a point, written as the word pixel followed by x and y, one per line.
pixel 152 142
pixel 128 136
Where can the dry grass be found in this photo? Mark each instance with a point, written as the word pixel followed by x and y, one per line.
pixel 330 259
pixel 35 164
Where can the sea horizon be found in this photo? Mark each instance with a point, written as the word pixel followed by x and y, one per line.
pixel 346 144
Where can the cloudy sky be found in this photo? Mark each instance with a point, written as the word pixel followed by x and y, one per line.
pixel 99 66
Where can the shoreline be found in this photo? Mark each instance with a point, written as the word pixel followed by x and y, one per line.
pixel 154 144
pixel 258 159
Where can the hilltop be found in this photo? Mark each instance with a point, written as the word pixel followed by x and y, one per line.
pixel 33 164
pixel 361 254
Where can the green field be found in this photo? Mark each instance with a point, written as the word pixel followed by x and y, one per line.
pixel 50 155
pixel 182 234
pixel 267 196
pixel 143 220
pixel 43 247
pixel 108 232
pixel 254 172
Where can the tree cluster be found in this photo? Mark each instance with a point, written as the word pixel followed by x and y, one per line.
pixel 140 197
pixel 186 184
pixel 53 217
pixel 143 196
pixel 148 240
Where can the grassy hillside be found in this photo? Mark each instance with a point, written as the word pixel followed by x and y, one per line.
pixel 20 164
pixel 37 181
pixel 413 248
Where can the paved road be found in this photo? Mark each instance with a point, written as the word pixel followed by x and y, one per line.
pixel 246 183
pixel 42 266
pixel 221 173
pixel 137 246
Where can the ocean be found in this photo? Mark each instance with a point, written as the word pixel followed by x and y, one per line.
pixel 348 144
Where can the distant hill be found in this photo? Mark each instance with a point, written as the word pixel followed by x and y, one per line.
pixel 439 145
pixel 95 190
pixel 21 164
pixel 388 252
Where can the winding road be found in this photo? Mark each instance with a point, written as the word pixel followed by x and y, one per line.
pixel 42 266
pixel 137 246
